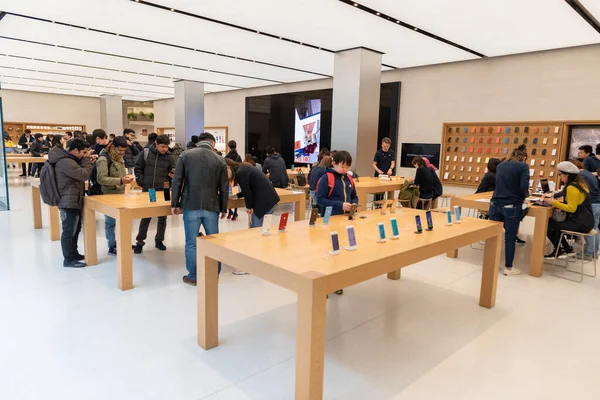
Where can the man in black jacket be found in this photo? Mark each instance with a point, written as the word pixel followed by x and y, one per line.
pixel 201 190
pixel 25 141
pixel 131 151
pixel 153 168
pixel 37 150
pixel 101 140
pixel 72 169
pixel 275 166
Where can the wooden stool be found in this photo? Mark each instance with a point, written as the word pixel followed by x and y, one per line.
pixel 425 204
pixel 583 236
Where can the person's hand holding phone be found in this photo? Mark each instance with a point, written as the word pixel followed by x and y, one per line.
pixel 347 207
pixel 126 180
pixel 172 173
pixel 176 211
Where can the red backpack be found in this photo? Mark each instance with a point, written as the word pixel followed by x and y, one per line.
pixel 331 182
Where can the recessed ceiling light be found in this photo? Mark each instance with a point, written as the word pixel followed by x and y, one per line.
pixel 397 22
pixel 172 9
pixel 355 5
pixel 378 13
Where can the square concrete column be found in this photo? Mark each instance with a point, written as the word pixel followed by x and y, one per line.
pixel 111 115
pixel 189 110
pixel 355 119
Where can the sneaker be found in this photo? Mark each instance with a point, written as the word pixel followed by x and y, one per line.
pixel 234 218
pixel 74 264
pixel 189 281
pixel 79 257
pixel 340 292
pixel 511 271
pixel 563 254
pixel 520 241
pixel 238 272
pixel 551 255
pixel 22 175
pixel 161 246
pixel 137 248
pixel 112 251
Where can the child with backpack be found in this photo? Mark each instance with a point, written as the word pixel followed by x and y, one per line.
pixel 336 188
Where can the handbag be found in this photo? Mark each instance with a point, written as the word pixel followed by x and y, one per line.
pixel 301 178
pixel 559 215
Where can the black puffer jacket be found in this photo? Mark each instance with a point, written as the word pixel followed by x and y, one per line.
pixel 129 156
pixel 71 175
pixel 153 171
pixel 36 148
pixel 257 191
pixel 275 166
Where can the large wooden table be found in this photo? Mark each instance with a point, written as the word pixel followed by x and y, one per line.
pixel 299 260
pixel 481 202
pixel 370 185
pixel 285 196
pixel 125 208
pixel 24 159
pixel 37 211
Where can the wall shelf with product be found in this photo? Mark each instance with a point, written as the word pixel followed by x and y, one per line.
pixel 467 147
pixel 16 129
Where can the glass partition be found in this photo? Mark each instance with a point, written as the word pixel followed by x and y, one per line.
pixel 4 202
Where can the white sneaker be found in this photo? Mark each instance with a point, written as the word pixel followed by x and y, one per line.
pixel 238 272
pixel 511 271
pixel 566 255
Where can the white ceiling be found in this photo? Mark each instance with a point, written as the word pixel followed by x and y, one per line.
pixel 142 49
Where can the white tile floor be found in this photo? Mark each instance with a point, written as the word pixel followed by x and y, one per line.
pixel 71 334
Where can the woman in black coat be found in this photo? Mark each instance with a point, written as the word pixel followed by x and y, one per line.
pixel 423 178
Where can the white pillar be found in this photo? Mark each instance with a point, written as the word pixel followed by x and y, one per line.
pixel 189 110
pixel 111 115
pixel 355 116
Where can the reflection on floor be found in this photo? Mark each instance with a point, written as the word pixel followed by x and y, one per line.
pixel 71 334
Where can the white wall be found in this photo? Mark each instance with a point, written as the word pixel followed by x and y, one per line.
pixel 49 108
pixel 164 113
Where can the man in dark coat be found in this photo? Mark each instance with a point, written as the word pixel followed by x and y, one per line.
pixel 72 169
pixel 25 141
pixel 132 150
pixel 153 168
pixel 275 166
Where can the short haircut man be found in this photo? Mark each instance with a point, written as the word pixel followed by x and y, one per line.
pixel 111 137
pixel 270 150
pixel 163 139
pixel 120 142
pixel 207 137
pixel 99 134
pixel 152 138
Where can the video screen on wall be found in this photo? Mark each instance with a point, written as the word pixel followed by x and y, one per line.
pixel 410 150
pixel 307 134
pixel 582 135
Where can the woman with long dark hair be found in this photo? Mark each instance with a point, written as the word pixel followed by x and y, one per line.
pixel 577 205
pixel 423 177
pixel 512 188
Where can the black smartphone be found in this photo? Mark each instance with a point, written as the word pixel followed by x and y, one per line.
pixel 545 185
pixel 167 193
pixel 314 214
pixel 419 226
pixel 429 220
pixel 352 211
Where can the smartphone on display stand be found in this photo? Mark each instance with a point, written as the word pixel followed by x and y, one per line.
pixel 167 193
pixel 418 222
pixel 449 214
pixel 283 221
pixel 457 214
pixel 335 244
pixel 328 211
pixel 429 220
pixel 351 237
pixel 381 232
pixel 266 228
pixel 152 194
pixel 395 232
pixel 314 214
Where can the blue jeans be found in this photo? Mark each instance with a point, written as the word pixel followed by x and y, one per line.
pixel 109 230
pixel 510 214
pixel 589 242
pixel 313 197
pixel 258 222
pixel 192 221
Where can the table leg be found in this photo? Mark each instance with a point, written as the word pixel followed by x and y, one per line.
pixel 394 275
pixel 310 343
pixel 124 251
pixel 452 253
pixel 390 195
pixel 37 207
pixel 89 236
pixel 489 276
pixel 300 210
pixel 208 301
pixel 536 264
pixel 54 225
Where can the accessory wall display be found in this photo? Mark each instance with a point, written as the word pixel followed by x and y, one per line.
pixel 546 143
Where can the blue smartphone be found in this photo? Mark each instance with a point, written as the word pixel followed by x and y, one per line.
pixel 395 231
pixel 429 220
pixel 381 232
pixel 351 237
pixel 449 214
pixel 152 193
pixel 335 243
pixel 457 214
pixel 328 211
pixel 419 226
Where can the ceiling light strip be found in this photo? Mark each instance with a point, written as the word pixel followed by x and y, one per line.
pixel 140 59
pixel 173 45
pixel 584 13
pixel 115 70
pixel 403 24
pixel 71 89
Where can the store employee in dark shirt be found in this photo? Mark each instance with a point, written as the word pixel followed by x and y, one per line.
pixel 384 160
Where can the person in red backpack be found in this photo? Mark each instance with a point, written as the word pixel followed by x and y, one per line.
pixel 336 188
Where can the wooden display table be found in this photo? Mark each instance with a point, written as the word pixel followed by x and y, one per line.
pixel 285 196
pixel 481 202
pixel 125 208
pixel 24 159
pixel 36 201
pixel 299 260
pixel 371 185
